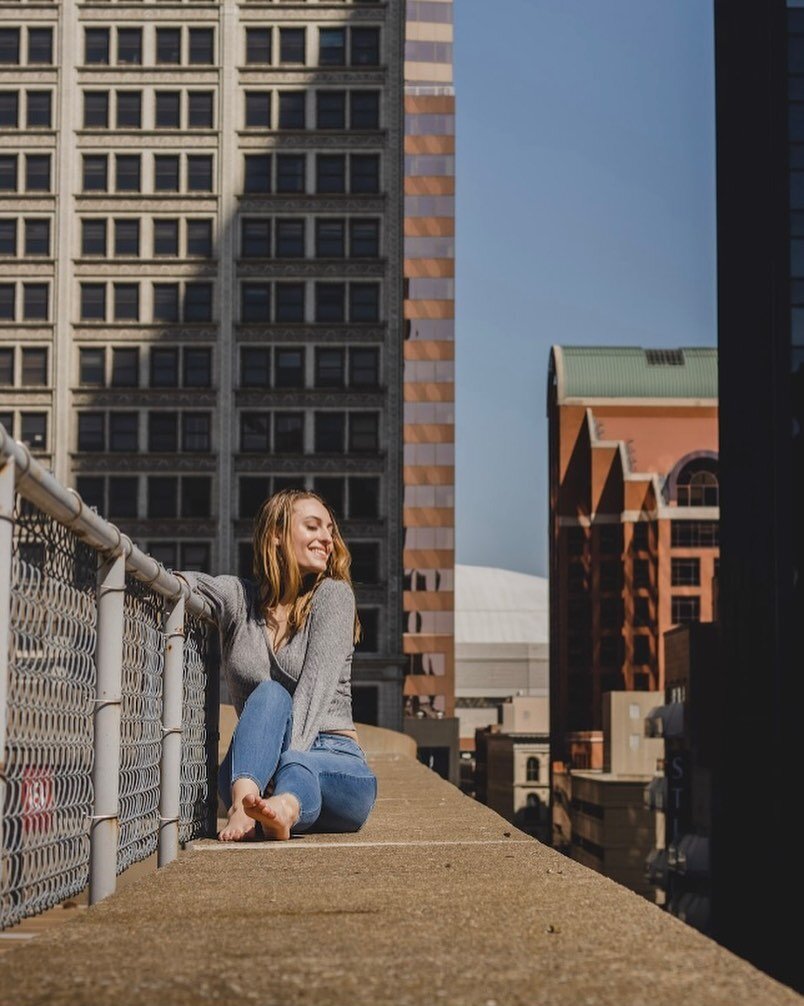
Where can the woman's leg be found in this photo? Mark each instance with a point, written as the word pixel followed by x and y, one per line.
pixel 261 735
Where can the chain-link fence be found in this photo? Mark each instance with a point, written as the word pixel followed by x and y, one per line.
pixel 100 767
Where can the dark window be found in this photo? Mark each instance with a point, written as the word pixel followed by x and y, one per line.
pixel 364 367
pixel 197 368
pixel 258 173
pixel 127 237
pixel 365 561
pixel 290 238
pixel 123 431
pixel 202 45
pixel 129 45
pixel 641 573
pixel 168 110
pixel 610 539
pixel 33 430
pixel 196 496
pixel 166 237
pixel 611 651
pixel 685 572
pixel 255 367
pixel 333 490
pixel 290 302
pixel 8 172
pixel 330 173
pixel 685 609
pixel 292 109
pixel 91 368
pixel 369 631
pixel 6 302
pixel 91 431
pixel 255 302
pixel 93 237
pixel 364 109
pixel 364 432
pixel 168 45
pixel 694 534
pixel 38 109
pixel 364 496
pixel 329 367
pixel 166 173
pixel 196 432
pixel 195 555
pixel 364 173
pixel 289 432
pixel 329 432
pixel 35 301
pixel 163 432
pixel 126 367
pixel 611 575
pixel 291 45
pixel 96 109
pixel 166 302
pixel 329 301
pixel 364 301
pixel 34 367
pixel 164 368
pixel 37 237
pixel 95 173
pixel 290 173
pixel 93 302
pixel 698 485
pixel 331 46
pixel 40 45
pixel 289 367
pixel 330 110
pixel 365 47
pixel 199 238
pixel 96 46
pixel 163 494
pixel 254 490
pixel 258 45
pixel 255 237
pixel 165 553
pixel 641 536
pixel 642 611
pixel 199 173
pixel 255 432
pixel 258 109
pixel 129 110
pixel 330 238
pixel 91 490
pixel 37 172
pixel 198 302
pixel 200 110
pixel 364 238
pixel 8 236
pixel 9 45
pixel 127 172
pixel 126 301
pixel 122 496
pixel 642 649
pixel 9 109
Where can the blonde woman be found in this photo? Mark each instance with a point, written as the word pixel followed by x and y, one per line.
pixel 287 640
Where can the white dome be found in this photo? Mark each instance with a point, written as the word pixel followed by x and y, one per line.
pixel 500 606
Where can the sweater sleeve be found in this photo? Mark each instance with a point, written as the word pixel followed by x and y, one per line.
pixel 330 646
pixel 224 594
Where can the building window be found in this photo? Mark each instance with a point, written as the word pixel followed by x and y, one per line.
pixel 200 110
pixel 196 430
pixel 641 570
pixel 364 432
pixel 37 172
pixel 254 490
pixel 292 109
pixel 164 368
pixel 532 770
pixel 34 367
pixel 198 302
pixel 35 301
pixel 640 540
pixel 166 173
pixel 369 630
pixel 168 110
pixel 611 575
pixel 364 302
pixel 290 173
pixel 7 299
pixel 197 368
pixel 255 432
pixel 642 650
pixel 95 178
pixel 40 46
pixel 330 110
pixel 37 237
pixel 91 490
pixel 364 109
pixel 8 236
pixel 255 367
pixel 610 538
pixel 289 367
pixel 91 431
pixel 168 46
pixel 199 173
pixel 290 238
pixel 684 609
pixel 6 367
pixel 129 110
pixel 91 368
pixel 165 302
pixel 201 50
pixel 290 302
pixel 195 555
pixel 330 173
pixel 330 238
pixel 364 496
pixel 96 109
pixel 123 431
pixel 365 47
pixel 255 302
pixel 163 494
pixel 33 430
pixel 166 238
pixel 289 432
pixel 329 302
pixel 292 45
pixel 129 46
pixel 642 611
pixel 685 572
pixel 199 238
pixel 163 434
pixel 127 238
pixel 8 172
pixel 96 46
pixel 9 109
pixel 125 367
pixel 364 173
pixel 329 432
pixel 257 173
pixel 126 301
pixel 333 490
pixel 258 109
pixel 365 561
pixel 258 45
pixel 38 113
pixel 123 491
pixel 364 366
pixel 127 172
pixel 364 238
pixel 611 648
pixel 694 534
pixel 331 46
pixel 255 237
pixel 329 367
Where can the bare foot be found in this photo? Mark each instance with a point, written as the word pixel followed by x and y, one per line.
pixel 276 814
pixel 240 828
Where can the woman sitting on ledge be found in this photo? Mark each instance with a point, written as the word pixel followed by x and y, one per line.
pixel 287 640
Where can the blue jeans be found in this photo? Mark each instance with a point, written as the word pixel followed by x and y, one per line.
pixel 335 787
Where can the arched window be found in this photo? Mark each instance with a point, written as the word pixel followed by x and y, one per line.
pixel 532 769
pixel 697 484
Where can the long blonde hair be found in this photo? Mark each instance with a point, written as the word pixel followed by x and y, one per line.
pixel 275 567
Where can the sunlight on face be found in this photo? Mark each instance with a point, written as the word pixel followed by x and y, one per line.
pixel 311 536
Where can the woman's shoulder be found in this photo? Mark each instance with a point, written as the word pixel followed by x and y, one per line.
pixel 332 593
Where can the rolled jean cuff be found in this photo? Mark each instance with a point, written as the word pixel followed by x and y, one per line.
pixel 245 775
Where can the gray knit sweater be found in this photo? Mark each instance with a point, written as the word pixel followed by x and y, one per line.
pixel 315 665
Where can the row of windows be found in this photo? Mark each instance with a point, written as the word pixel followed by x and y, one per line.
pixel 333 366
pixel 167 432
pixel 35 173
pixel 170 237
pixel 196 46
pixel 168 367
pixel 24 366
pixel 165 495
pixel 330 237
pixel 35 111
pixel 35 236
pixel 28 427
pixel 166 173
pixel 683 534
pixel 34 46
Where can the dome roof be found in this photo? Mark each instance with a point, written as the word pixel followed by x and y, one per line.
pixel 500 606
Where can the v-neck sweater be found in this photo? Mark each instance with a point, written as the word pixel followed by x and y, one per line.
pixel 315 664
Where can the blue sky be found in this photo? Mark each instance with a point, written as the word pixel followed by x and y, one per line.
pixel 585 215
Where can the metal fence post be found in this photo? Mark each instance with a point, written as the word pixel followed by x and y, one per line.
pixel 170 767
pixel 104 833
pixel 6 543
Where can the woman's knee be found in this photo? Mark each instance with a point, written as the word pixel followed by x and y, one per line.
pixel 271 693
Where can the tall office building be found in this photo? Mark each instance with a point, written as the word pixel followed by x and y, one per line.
pixel 429 388
pixel 201 290
pixel 759 48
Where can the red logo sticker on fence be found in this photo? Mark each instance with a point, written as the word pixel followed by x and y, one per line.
pixel 37 799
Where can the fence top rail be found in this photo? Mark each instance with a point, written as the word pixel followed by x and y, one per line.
pixel 37 485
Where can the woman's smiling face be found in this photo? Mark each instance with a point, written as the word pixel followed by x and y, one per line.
pixel 311 536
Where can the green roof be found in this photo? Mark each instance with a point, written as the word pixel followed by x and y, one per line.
pixel 634 372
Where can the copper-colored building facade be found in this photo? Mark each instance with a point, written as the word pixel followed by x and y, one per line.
pixel 429 388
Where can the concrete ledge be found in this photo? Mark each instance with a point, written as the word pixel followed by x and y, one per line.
pixel 437 899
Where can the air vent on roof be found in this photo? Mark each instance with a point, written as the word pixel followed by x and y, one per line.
pixel 665 357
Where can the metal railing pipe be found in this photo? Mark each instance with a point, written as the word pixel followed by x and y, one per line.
pixel 170 765
pixel 6 543
pixel 105 827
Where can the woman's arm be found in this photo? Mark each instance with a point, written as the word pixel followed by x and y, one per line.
pixel 330 646
pixel 224 594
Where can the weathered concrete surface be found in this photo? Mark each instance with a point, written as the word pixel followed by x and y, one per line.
pixel 437 900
